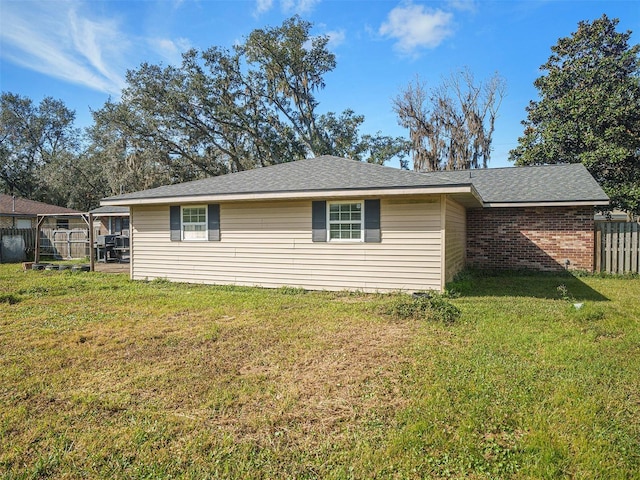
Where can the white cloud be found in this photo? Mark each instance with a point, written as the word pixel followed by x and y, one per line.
pixel 415 27
pixel 463 5
pixel 263 6
pixel 54 39
pixel 299 7
pixel 170 50
pixel 336 37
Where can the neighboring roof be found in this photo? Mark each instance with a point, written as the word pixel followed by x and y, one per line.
pixel 329 176
pixel 25 207
pixel 110 211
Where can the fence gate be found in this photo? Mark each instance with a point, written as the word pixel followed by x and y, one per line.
pixel 617 247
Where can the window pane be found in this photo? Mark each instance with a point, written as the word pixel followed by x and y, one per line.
pixel 345 221
pixel 191 235
pixel 194 223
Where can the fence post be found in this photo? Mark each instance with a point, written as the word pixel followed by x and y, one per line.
pixel 635 249
pixel 597 250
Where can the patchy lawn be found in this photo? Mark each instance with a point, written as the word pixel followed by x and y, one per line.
pixel 101 377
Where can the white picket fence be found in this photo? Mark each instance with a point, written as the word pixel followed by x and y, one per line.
pixel 617 248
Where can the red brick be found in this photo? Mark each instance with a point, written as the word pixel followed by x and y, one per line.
pixel 532 238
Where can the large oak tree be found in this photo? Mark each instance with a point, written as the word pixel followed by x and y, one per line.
pixel 42 154
pixel 227 110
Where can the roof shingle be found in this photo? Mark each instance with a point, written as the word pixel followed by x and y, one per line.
pixel 29 207
pixel 551 183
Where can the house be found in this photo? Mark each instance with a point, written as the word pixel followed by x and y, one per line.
pixel 333 223
pixel 18 222
pixel 110 221
pixel 111 233
pixel 16 212
pixel 616 216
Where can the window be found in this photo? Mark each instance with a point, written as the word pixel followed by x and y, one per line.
pixel 199 222
pixel 23 223
pixel 194 223
pixel 345 221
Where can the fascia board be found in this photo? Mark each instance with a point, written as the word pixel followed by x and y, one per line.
pixel 579 203
pixel 361 193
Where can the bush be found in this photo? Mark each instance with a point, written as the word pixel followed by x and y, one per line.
pixel 424 307
pixel 9 298
pixel 286 290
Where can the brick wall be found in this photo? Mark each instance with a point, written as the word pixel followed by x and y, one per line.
pixel 532 238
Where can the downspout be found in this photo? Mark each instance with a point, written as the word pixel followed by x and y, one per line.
pixel 443 239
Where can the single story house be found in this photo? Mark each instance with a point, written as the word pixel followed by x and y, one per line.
pixel 19 219
pixel 333 223
pixel 16 212
pixel 110 221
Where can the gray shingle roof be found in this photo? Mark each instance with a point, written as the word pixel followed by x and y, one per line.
pixel 543 183
pixel 552 183
pixel 314 174
pixel 110 210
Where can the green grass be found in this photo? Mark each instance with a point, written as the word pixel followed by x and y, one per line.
pixel 101 377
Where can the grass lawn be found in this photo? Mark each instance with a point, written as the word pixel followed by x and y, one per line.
pixel 101 377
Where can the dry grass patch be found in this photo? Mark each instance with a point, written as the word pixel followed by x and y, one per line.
pixel 166 366
pixel 101 377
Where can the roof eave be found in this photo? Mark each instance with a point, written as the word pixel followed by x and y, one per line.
pixel 567 203
pixel 302 195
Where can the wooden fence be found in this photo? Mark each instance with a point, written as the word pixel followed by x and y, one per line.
pixel 617 248
pixel 64 244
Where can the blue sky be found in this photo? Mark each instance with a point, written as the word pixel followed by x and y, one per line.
pixel 79 51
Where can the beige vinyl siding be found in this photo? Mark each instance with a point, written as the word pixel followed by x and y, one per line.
pixel 269 244
pixel 455 238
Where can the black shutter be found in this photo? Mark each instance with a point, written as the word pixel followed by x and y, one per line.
pixel 319 221
pixel 213 222
pixel 372 221
pixel 174 223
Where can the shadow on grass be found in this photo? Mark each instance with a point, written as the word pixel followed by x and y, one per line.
pixel 480 283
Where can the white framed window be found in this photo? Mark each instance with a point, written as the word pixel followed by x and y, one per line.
pixel 194 223
pixel 346 221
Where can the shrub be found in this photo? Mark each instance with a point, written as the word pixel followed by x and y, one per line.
pixel 286 290
pixel 9 298
pixel 424 307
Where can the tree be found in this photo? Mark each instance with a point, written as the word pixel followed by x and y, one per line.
pixel 225 110
pixel 31 138
pixel 589 110
pixel 129 162
pixel 75 180
pixel 450 126
pixel 42 157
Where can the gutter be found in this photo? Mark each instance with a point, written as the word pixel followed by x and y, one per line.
pixel 567 203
